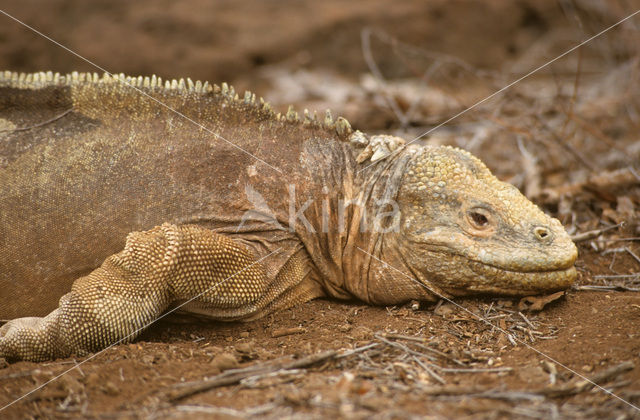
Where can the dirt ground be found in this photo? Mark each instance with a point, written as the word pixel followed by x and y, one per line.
pixel 567 136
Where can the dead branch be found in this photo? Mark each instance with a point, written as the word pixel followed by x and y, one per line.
pixel 572 388
pixel 537 303
pixel 429 371
pixel 475 392
pixel 417 341
pixel 234 376
pixel 602 182
pixel 607 288
pixel 630 252
pixel 532 176
pixel 451 390
pixel 596 132
pixel 527 320
pixel 287 331
pixel 477 370
pixel 401 347
pixel 566 144
pixel 617 276
pixel 365 37
pixel 356 350
pixel 508 395
pixel 581 385
pixel 585 236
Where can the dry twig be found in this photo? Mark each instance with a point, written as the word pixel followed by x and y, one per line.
pixel 607 288
pixel 585 236
pixel 581 385
pixel 287 331
pixel 604 181
pixel 234 376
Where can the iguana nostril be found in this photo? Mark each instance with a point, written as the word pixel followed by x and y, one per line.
pixel 542 233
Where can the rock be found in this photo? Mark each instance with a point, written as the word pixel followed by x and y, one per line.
pixel 224 361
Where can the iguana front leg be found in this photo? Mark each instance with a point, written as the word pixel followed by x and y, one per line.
pixel 132 288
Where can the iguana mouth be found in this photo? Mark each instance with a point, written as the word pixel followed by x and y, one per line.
pixel 501 280
pixel 465 276
pixel 450 253
pixel 561 268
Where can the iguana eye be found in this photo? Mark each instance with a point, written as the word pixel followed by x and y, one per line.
pixel 479 218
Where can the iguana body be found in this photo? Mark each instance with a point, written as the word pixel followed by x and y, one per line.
pixel 254 212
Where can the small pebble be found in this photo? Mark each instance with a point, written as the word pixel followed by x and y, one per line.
pixel 224 361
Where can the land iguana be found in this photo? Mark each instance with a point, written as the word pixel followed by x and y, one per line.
pixel 232 211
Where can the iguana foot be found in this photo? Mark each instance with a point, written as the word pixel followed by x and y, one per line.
pixel 32 339
pixel 115 302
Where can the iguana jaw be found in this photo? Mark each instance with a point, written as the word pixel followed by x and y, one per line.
pixel 461 276
pixel 495 280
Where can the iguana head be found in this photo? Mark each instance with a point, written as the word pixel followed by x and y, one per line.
pixel 463 231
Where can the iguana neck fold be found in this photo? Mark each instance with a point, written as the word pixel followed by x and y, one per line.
pixel 367 267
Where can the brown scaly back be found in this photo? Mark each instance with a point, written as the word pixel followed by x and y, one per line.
pixel 154 84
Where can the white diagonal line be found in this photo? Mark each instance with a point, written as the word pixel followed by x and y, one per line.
pixel 138 330
pixel 464 111
pixel 141 92
pixel 500 329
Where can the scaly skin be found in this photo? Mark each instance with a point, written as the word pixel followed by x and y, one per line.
pixel 85 160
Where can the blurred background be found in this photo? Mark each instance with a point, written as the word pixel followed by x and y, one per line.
pixel 567 135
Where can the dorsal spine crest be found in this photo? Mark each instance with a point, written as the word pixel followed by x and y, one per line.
pixel 156 84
